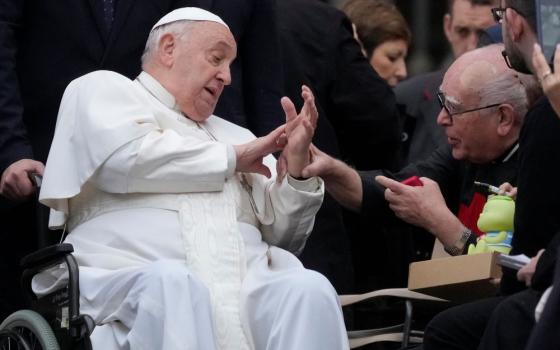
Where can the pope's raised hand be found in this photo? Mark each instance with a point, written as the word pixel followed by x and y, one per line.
pixel 299 132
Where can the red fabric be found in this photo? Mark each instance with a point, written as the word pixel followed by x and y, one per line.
pixel 468 215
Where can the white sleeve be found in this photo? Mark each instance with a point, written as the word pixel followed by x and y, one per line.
pixel 165 162
pixel 292 206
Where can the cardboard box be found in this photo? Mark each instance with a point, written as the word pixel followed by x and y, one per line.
pixel 458 279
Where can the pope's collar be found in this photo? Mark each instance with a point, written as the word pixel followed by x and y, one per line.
pixel 158 91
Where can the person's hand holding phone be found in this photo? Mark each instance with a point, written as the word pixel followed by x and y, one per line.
pixel 549 80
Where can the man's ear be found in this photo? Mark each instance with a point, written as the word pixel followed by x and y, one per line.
pixel 447 26
pixel 514 24
pixel 166 48
pixel 506 121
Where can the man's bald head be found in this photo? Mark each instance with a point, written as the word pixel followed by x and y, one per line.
pixel 485 102
pixel 484 78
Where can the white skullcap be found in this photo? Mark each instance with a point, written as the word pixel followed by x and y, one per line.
pixel 189 14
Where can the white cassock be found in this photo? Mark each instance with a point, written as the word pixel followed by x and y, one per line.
pixel 176 250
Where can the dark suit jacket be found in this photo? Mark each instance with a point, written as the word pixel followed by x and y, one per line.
pixel 256 87
pixel 419 106
pixel 357 114
pixel 545 334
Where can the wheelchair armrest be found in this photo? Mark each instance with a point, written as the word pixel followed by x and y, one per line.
pixel 47 256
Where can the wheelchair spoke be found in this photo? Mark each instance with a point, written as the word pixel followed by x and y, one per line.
pixel 29 337
pixel 13 340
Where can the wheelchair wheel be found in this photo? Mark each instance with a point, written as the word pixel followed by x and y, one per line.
pixel 26 330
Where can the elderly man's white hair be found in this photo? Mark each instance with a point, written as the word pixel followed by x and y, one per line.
pixel 176 22
pixel 519 90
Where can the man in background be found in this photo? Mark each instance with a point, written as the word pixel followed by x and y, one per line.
pixel 464 22
pixel 505 322
pixel 482 146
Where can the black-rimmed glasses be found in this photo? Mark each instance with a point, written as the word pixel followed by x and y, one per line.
pixel 506 58
pixel 442 102
pixel 498 13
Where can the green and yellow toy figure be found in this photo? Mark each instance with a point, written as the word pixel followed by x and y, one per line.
pixel 496 221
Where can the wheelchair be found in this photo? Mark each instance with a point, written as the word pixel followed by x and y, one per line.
pixel 54 321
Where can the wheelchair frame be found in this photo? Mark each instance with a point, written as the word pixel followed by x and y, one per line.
pixel 65 329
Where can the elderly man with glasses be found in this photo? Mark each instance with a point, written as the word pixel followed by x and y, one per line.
pixel 483 105
pixel 506 321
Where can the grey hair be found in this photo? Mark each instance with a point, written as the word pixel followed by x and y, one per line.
pixel 177 29
pixel 518 90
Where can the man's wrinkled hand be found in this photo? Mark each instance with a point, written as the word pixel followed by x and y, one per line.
pixel 15 183
pixel 321 164
pixel 417 205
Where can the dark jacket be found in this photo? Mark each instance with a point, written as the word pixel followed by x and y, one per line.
pixel 537 206
pixel 396 243
pixel 357 114
pixel 420 108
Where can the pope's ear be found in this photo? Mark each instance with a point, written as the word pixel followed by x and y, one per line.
pixel 506 119
pixel 166 48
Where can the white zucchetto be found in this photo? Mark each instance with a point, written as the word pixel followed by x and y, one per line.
pixel 189 14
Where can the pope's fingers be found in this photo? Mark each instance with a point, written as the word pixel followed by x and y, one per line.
pixel 262 169
pixel 314 115
pixel 309 127
pixel 309 102
pixel 277 133
pixel 289 109
pixel 282 140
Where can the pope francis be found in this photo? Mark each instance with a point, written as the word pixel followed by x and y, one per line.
pixel 184 234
